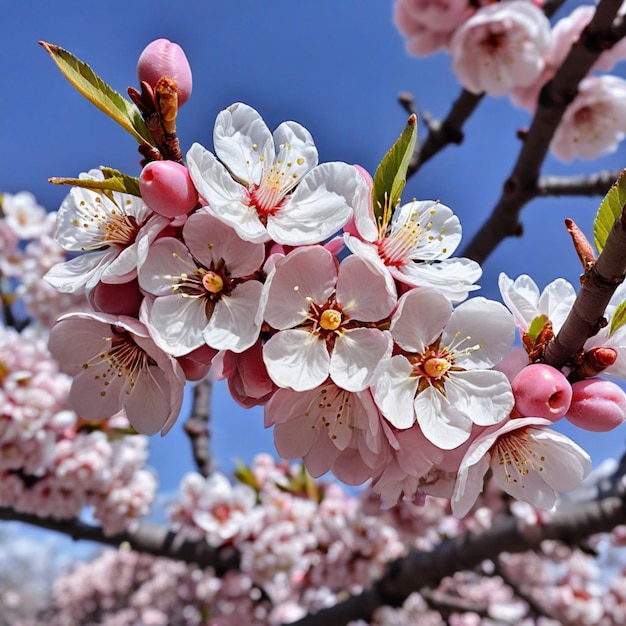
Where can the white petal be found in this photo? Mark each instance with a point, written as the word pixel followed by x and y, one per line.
pixel 296 359
pixel 241 138
pixel 305 276
pixel 441 422
pixel 81 272
pixel 210 240
pixel 167 260
pixel 177 323
pixel 394 392
pixel 234 324
pixel 148 405
pixel 366 305
pixel 484 395
pixel 454 278
pixel 487 324
pixel 356 355
pixel 295 437
pixel 420 318
pixel 469 485
pixel 300 144
pixel 521 297
pixel 318 208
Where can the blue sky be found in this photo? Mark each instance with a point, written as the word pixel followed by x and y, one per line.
pixel 335 67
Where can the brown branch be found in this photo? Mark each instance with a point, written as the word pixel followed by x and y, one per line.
pixel 440 133
pixel 144 537
pixel 197 426
pixel 594 185
pixel 555 96
pixel 572 523
pixel 598 285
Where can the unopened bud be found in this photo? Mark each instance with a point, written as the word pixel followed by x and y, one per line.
pixel 167 189
pixel 597 405
pixel 541 391
pixel 162 58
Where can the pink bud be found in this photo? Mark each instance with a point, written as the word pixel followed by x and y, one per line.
pixel 164 58
pixel 117 299
pixel 167 189
pixel 542 391
pixel 597 405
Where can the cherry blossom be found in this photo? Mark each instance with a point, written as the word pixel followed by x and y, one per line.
pixel 428 26
pixel 204 289
pixel 115 365
pixel 441 376
pixel 523 299
pixel 326 320
pixel 330 428
pixel 414 243
pixel 270 187
pixel 22 214
pixel 529 461
pixel 595 122
pixel 502 46
pixel 114 231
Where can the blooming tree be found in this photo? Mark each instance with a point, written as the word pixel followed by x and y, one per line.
pixel 321 293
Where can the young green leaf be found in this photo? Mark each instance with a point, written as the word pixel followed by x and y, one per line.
pixel 610 209
pixel 618 319
pixel 390 176
pixel 536 326
pixel 88 83
pixel 113 181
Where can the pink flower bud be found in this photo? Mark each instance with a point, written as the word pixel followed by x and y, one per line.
pixel 164 58
pixel 167 189
pixel 117 299
pixel 597 405
pixel 542 391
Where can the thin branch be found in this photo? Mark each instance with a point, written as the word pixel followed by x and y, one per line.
pixel 594 185
pixel 572 523
pixel 144 537
pixel 555 96
pixel 440 133
pixel 598 285
pixel 197 426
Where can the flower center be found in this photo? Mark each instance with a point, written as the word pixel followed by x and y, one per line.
pixel 213 282
pixel 124 359
pixel 276 182
pixel 436 367
pixel 398 247
pixel 515 454
pixel 330 319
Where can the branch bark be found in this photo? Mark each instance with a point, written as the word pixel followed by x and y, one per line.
pixel 197 426
pixel 594 185
pixel 143 537
pixel 572 523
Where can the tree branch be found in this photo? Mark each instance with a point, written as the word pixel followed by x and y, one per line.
pixel 572 523
pixel 143 537
pixel 197 426
pixel 594 185
pixel 598 285
pixel 555 96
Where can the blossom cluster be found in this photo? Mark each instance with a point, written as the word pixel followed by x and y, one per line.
pixel 348 318
pixel 304 544
pixel 510 48
pixel 52 464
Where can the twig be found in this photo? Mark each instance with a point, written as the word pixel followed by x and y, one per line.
pixel 598 285
pixel 197 426
pixel 594 185
pixel 555 96
pixel 143 537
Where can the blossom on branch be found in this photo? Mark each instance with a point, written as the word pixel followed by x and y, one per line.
pixel 270 187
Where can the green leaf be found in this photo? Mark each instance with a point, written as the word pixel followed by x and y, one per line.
pixel 88 83
pixel 610 209
pixel 536 326
pixel 390 176
pixel 113 181
pixel 618 319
